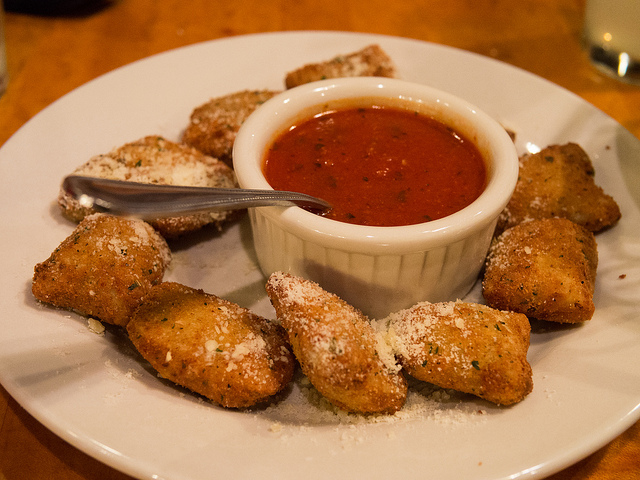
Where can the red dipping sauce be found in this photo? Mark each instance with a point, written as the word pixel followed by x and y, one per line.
pixel 378 166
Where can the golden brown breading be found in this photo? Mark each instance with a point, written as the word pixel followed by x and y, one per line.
pixel 211 346
pixel 466 347
pixel 559 182
pixel 104 268
pixel 154 159
pixel 371 61
pixel 545 269
pixel 213 126
pixel 336 347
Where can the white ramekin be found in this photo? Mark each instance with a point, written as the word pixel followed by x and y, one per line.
pixel 377 269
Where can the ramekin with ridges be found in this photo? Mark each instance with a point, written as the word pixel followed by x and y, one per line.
pixel 377 269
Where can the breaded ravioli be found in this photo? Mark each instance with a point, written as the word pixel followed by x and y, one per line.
pixel 371 61
pixel 104 268
pixel 336 347
pixel 545 269
pixel 559 181
pixel 467 347
pixel 211 346
pixel 153 159
pixel 213 126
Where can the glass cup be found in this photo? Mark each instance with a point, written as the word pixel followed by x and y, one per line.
pixel 612 37
pixel 3 55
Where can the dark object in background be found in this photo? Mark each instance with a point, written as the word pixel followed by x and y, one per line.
pixel 55 7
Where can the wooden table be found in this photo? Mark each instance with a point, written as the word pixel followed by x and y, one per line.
pixel 51 55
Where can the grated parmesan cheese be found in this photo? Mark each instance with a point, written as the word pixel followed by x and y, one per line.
pixel 95 326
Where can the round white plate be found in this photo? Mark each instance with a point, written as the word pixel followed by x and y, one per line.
pixel 96 393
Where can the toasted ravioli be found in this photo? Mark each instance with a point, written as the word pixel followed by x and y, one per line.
pixel 154 159
pixel 104 268
pixel 371 61
pixel 211 346
pixel 336 347
pixel 545 269
pixel 213 126
pixel 559 182
pixel 466 347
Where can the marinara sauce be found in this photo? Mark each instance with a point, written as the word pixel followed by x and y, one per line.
pixel 378 166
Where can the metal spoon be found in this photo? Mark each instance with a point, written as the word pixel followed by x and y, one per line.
pixel 151 201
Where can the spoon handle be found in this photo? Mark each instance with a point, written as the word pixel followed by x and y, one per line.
pixel 152 201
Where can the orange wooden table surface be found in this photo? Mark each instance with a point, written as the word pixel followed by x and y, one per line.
pixel 49 56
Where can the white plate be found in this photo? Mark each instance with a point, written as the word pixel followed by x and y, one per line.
pixel 94 391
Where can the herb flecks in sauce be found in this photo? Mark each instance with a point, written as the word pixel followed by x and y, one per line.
pixel 378 166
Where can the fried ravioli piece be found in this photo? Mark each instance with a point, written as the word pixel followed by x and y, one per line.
pixel 213 126
pixel 104 268
pixel 545 269
pixel 466 347
pixel 153 159
pixel 211 346
pixel 336 347
pixel 371 61
pixel 559 181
